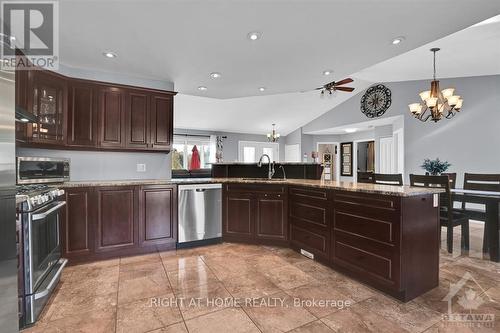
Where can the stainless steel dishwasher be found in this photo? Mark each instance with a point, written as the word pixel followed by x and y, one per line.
pixel 200 214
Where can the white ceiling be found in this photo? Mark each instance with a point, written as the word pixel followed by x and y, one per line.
pixel 474 51
pixel 256 114
pixel 183 41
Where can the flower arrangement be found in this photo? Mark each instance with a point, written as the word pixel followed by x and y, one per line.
pixel 435 167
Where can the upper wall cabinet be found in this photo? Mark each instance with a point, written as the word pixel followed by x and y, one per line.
pixel 89 115
pixel 111 117
pixel 82 115
pixel 48 95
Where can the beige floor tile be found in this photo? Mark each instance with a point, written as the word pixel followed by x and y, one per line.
pixel 200 300
pixel 78 305
pixel 131 289
pixel 288 277
pixel 191 277
pixel 89 322
pixel 315 327
pixel 145 315
pixel 175 328
pixel 250 285
pixel 173 264
pixel 359 318
pixel 226 320
pixel 141 259
pixel 321 299
pixel 278 313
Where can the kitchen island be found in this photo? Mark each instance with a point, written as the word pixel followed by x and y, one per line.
pixel 386 236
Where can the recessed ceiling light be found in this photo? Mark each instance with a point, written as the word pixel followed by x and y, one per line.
pixel 254 35
pixel 327 72
pixel 202 88
pixel 215 75
pixel 398 40
pixel 109 54
pixel 350 130
pixel 262 88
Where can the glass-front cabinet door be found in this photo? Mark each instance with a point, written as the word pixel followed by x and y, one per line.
pixel 49 98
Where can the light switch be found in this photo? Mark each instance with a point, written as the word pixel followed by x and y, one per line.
pixel 141 167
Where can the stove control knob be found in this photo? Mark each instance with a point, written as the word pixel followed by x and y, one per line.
pixel 33 201
pixel 60 192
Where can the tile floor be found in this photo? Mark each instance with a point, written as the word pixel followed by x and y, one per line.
pixel 275 287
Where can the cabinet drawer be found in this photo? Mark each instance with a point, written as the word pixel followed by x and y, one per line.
pixel 377 230
pixel 372 206
pixel 255 188
pixel 379 261
pixel 308 213
pixel 316 243
pixel 308 193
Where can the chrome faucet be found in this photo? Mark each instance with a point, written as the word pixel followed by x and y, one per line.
pixel 270 165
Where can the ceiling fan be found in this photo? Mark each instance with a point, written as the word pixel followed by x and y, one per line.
pixel 335 85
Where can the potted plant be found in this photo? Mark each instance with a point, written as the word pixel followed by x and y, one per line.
pixel 435 167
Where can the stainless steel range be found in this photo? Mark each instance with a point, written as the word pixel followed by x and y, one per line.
pixel 40 263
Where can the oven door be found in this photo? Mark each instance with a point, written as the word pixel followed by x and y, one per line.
pixel 42 246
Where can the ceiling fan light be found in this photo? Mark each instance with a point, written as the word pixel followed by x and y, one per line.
pixel 453 100
pixel 415 108
pixel 448 92
pixel 458 106
pixel 424 95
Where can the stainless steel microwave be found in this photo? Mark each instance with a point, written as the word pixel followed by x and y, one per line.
pixel 35 170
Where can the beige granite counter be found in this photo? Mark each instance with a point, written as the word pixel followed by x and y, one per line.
pixel 404 191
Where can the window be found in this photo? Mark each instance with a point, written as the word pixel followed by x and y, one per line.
pixel 251 151
pixel 182 151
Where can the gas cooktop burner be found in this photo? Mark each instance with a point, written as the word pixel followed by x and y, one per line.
pixel 27 189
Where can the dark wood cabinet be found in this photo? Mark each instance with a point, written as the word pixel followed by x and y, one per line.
pixel 90 115
pixel 116 219
pixel 138 120
pixel 49 105
pixel 254 215
pixel 82 115
pixel 161 134
pixel 158 215
pixel 77 224
pixel 271 217
pixel 310 212
pixel 111 117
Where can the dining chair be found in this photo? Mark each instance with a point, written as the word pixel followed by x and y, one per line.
pixel 452 176
pixel 480 182
pixel 365 177
pixel 388 179
pixel 448 216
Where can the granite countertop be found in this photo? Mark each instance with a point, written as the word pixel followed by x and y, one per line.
pixel 265 163
pixel 404 191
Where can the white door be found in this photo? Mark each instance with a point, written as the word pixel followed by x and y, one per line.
pixel 399 150
pixel 251 151
pixel 387 158
pixel 292 153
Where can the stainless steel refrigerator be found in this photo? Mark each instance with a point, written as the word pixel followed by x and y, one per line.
pixel 9 321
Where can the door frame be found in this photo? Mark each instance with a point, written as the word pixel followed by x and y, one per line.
pixel 337 156
pixel 355 157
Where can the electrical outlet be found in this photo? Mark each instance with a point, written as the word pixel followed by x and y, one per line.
pixel 141 167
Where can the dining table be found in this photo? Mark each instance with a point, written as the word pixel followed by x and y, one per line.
pixel 491 202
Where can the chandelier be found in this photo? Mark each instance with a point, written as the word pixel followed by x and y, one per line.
pixel 273 136
pixel 436 103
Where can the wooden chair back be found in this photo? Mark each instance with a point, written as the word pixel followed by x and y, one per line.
pixel 388 179
pixel 435 181
pixel 365 177
pixel 452 176
pixel 482 182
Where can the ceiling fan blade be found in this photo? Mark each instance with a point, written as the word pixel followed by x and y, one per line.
pixel 344 81
pixel 319 88
pixel 348 89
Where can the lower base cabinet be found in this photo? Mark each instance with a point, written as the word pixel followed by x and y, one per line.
pixel 255 214
pixel 106 222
